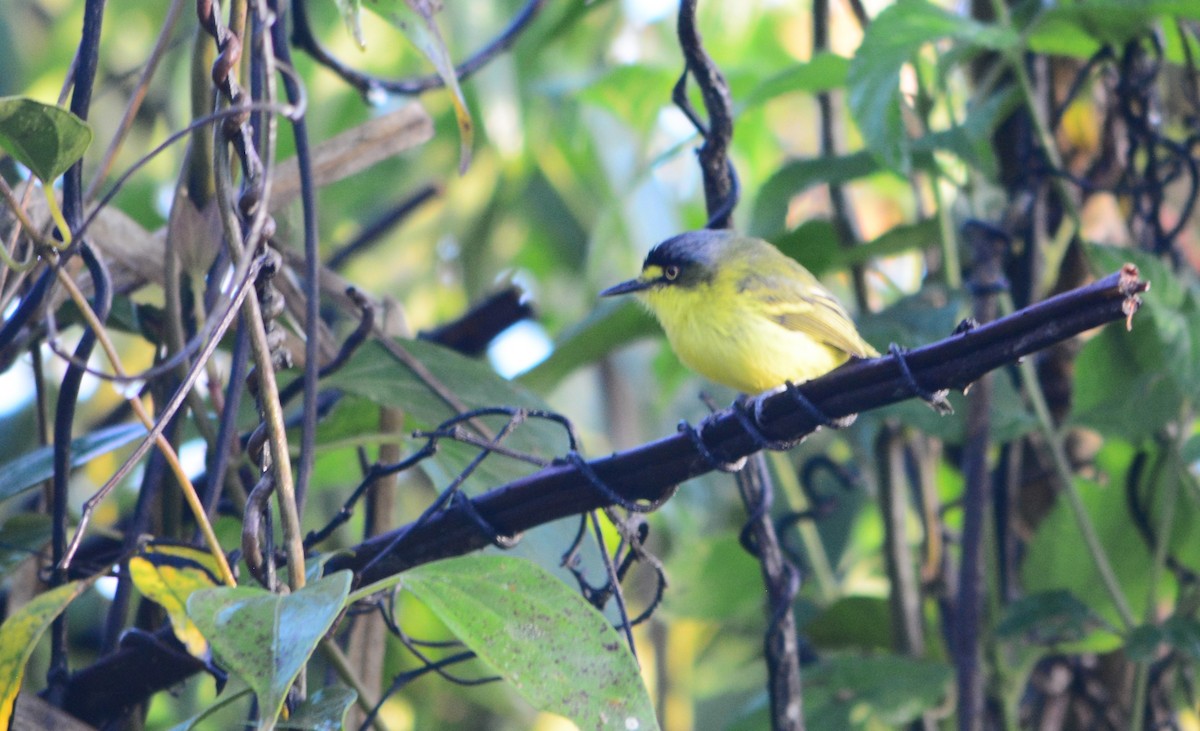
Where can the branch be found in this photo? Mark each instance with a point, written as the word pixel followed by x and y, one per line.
pixel 720 185
pixel 304 39
pixel 651 471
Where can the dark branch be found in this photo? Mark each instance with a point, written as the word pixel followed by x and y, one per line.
pixel 652 470
pixel 304 39
pixel 478 327
pixel 720 183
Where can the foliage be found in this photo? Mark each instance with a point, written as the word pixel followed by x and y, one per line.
pixel 551 160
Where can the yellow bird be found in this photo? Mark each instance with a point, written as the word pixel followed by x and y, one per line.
pixel 741 313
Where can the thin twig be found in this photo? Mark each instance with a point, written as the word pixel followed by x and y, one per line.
pixel 304 39
pixel 653 469
pixel 977 493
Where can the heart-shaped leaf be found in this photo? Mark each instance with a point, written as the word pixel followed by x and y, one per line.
pixel 32 468
pixel 557 650
pixel 19 636
pixel 266 638
pixel 167 575
pixel 45 138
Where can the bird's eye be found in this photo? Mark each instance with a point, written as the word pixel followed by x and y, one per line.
pixel 671 273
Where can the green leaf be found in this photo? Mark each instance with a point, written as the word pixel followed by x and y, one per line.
pixel 1183 634
pixel 19 636
pixel 1111 384
pixel 824 72
pixel 264 638
pixel 857 692
pixel 814 243
pixel 167 575
pixel 233 693
pixel 1057 559
pixel 32 468
pixel 1080 29
pixel 1141 645
pixel 1148 371
pixel 375 373
pixel 775 195
pixel 610 325
pixel 899 239
pixel 635 93
pixel 971 141
pixel 923 317
pixel 414 18
pixel 1048 618
pixel 555 648
pixel 1178 632
pixel 324 710
pixel 891 41
pixel 714 580
pixel 45 138
pixel 21 537
pixel 351 12
pixel 852 623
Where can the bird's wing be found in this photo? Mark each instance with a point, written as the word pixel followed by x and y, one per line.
pixel 803 305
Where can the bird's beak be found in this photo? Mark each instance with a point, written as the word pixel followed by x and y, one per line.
pixel 633 285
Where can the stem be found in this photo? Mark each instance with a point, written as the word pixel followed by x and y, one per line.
pixel 1044 133
pixel 1062 470
pixel 56 215
pixel 814 549
pixel 139 409
pixel 1166 522
pixel 365 697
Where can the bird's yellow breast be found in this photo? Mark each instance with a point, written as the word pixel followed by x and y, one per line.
pixel 726 337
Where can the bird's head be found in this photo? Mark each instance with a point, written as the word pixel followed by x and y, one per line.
pixel 686 261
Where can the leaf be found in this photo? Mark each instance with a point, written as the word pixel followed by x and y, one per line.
pixel 45 138
pixel 414 18
pixel 378 375
pixel 1178 632
pixel 852 622
pixel 1110 385
pixel 775 195
pixel 21 537
pixel 19 636
pixel 324 710
pixel 228 697
pixel 557 650
pixel 824 72
pixel 264 638
pixel 167 575
pixel 1057 559
pixel 351 12
pixel 853 691
pixel 814 243
pixel 1049 618
pixel 971 140
pixel 32 468
pixel 635 93
pixel 1080 29
pixel 1141 645
pixel 1183 634
pixel 714 580
pixel 891 41
pixel 1147 371
pixel 608 326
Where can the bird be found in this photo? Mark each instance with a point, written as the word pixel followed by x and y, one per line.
pixel 740 312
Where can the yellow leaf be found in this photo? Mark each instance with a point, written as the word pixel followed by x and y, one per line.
pixel 167 575
pixel 19 636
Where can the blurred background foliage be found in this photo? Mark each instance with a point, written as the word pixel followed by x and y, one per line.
pixel 581 163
